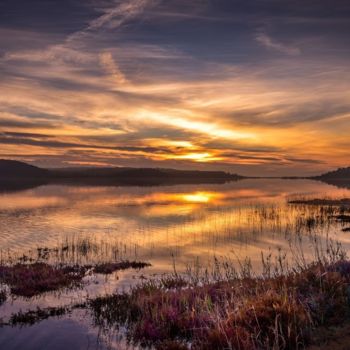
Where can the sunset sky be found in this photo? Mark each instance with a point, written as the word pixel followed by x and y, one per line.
pixel 258 87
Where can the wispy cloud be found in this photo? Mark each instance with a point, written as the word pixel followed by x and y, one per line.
pixel 114 16
pixel 118 14
pixel 273 44
pixel 112 68
pixel 161 83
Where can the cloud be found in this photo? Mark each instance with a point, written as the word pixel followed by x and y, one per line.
pixel 123 11
pixel 148 82
pixel 272 44
pixel 111 67
pixel 58 53
pixel 114 16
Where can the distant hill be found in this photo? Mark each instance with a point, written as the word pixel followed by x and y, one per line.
pixel 339 177
pixel 21 173
pixel 16 176
pixel 342 173
pixel 12 169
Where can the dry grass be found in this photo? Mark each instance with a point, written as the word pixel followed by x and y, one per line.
pixel 240 311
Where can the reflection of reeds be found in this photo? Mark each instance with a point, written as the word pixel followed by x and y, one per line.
pixel 34 316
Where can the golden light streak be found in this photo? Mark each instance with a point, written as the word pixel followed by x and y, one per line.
pixel 197 157
pixel 199 197
pixel 201 127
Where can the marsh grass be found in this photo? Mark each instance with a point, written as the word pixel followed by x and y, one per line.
pixel 229 308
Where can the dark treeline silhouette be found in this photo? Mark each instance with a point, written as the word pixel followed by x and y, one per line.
pixel 16 175
pixel 19 175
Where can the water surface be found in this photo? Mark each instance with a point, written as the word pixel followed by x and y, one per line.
pixel 165 225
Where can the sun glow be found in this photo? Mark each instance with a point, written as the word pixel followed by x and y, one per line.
pixel 198 197
pixel 197 157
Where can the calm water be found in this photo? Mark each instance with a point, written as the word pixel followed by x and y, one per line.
pixel 161 225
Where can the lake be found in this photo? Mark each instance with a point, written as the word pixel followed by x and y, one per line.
pixel 171 227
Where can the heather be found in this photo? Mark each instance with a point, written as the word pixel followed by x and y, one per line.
pixel 28 280
pixel 233 310
pixel 31 279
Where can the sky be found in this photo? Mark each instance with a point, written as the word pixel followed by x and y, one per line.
pixel 255 87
